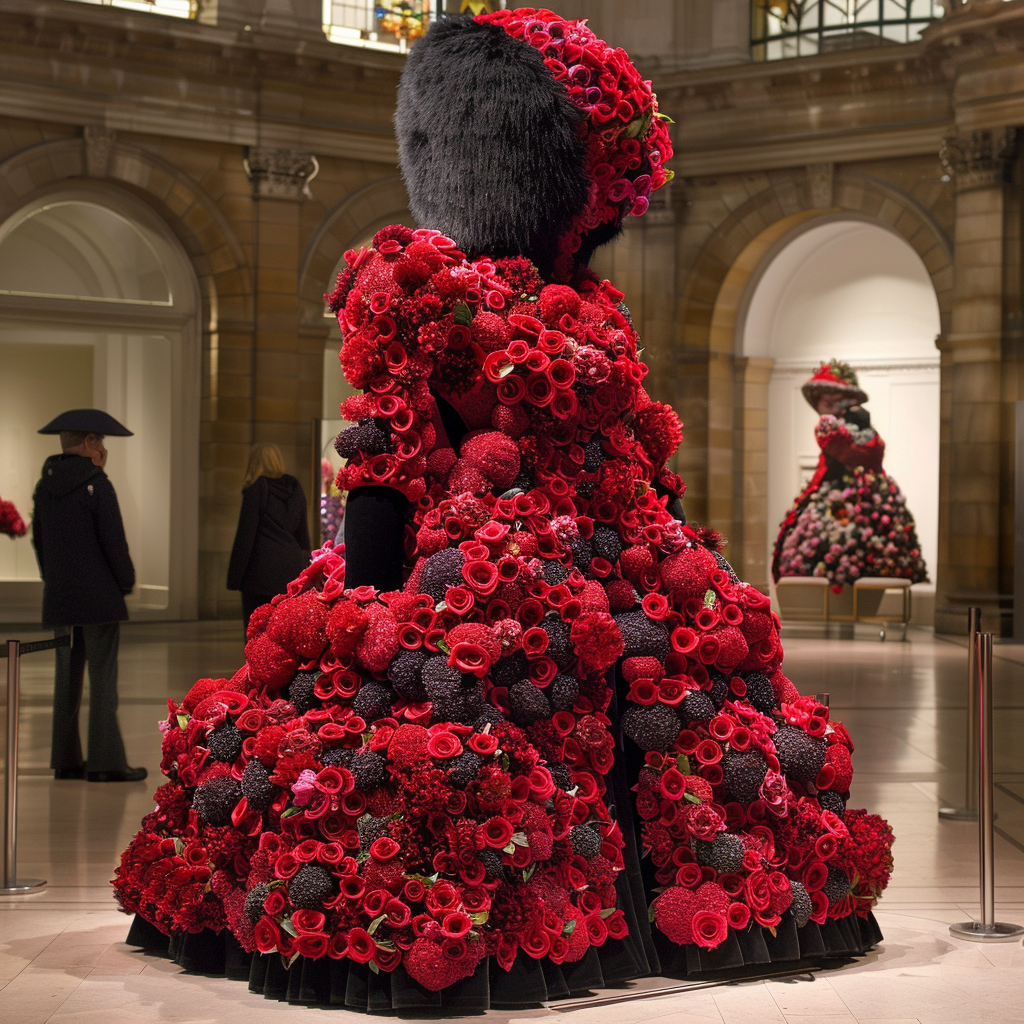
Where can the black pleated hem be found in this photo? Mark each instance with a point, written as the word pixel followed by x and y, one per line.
pixel 342 983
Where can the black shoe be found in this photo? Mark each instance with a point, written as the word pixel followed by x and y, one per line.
pixel 128 775
pixel 69 773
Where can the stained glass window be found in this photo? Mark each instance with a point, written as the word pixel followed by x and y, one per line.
pixel 801 28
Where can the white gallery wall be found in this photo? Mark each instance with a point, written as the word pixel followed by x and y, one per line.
pixel 852 291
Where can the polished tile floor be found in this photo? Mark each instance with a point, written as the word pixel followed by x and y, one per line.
pixel 62 959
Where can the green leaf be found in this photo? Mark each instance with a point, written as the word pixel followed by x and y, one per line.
pixel 510 849
pixel 183 721
pixel 683 764
pixel 374 967
pixel 529 872
pixel 287 926
pixel 443 647
pixel 291 811
pixel 650 913
pixel 275 884
pixel 607 912
pixel 709 599
pixel 463 314
pixel 480 917
pixel 506 370
pixel 570 927
pixel 178 846
pixel 692 798
pixel 376 923
pixel 664 117
pixel 519 838
pixel 288 963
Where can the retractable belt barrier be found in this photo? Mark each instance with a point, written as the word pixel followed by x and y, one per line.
pixel 969 810
pixel 13 651
pixel 987 928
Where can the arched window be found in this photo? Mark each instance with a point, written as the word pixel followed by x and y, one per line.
pixel 392 24
pixel 78 250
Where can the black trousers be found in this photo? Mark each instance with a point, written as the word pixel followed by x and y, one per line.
pixel 98 646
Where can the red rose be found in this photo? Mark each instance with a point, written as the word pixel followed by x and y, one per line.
pixel 738 915
pixel 689 875
pixel 312 945
pixel 704 822
pixel 361 946
pixel 481 576
pixel 709 928
pixel 483 743
pixel 758 891
pixel 708 752
pixel 459 599
pixel 267 935
pixel 673 784
pixel 496 832
pixel 443 745
pixel 456 925
pixel 414 890
pixel 471 657
pixel 384 849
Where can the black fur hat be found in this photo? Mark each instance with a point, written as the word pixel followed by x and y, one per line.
pixel 489 144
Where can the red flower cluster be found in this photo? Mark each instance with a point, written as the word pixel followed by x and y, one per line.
pixel 627 141
pixel 11 522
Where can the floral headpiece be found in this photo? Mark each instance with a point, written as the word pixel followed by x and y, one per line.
pixel 836 378
pixel 623 133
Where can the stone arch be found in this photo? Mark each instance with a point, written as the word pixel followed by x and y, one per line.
pixel 190 213
pixel 725 412
pixel 366 210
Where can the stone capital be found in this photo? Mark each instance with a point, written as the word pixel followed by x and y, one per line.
pixel 280 173
pixel 98 143
pixel 978 158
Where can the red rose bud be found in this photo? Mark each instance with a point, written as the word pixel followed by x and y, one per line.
pixel 535 642
pixel 274 903
pixel 738 915
pixel 361 946
pixel 267 936
pixel 721 728
pixel 815 876
pixel 825 846
pixel 643 691
pixel 496 833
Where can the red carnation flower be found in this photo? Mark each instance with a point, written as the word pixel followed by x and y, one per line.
pixel 597 641
pixel 345 626
pixel 270 665
pixel 378 643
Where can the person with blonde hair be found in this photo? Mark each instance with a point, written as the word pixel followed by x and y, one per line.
pixel 272 540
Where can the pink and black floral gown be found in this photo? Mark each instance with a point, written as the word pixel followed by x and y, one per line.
pixel 851 519
pixel 432 779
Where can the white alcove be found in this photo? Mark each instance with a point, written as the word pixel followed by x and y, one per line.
pixel 98 308
pixel 853 291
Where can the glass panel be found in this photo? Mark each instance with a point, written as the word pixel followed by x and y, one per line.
pixel 791 28
pixel 82 251
pixel 172 8
pixel 382 25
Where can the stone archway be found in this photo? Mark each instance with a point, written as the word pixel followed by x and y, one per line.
pixel 726 409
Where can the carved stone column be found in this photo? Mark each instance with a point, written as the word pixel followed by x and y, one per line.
pixel 285 360
pixel 978 164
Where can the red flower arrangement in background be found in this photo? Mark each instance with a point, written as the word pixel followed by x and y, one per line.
pixel 11 522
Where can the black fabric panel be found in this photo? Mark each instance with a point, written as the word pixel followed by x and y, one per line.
pixel 342 983
pixel 375 537
pixel 454 425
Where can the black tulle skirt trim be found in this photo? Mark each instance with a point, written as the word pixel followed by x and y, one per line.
pixel 342 983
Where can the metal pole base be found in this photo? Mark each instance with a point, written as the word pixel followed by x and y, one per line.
pixel 978 932
pixel 23 887
pixel 958 813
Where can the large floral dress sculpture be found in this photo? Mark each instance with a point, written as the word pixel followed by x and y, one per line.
pixel 851 520
pixel 431 781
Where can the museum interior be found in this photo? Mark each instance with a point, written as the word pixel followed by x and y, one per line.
pixel 832 272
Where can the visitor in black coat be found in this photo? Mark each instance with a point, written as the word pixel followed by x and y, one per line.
pixel 86 569
pixel 272 541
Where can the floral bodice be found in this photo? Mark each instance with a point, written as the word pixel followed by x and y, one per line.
pixel 853 445
pixel 546 379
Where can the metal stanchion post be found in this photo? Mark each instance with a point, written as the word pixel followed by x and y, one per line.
pixel 969 811
pixel 988 929
pixel 11 886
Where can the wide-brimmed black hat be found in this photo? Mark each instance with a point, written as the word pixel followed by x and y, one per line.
pixel 86 421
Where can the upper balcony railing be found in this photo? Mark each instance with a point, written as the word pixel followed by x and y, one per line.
pixel 170 8
pixel 801 28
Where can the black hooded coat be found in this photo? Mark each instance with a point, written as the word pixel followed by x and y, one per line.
pixel 272 542
pixel 80 544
